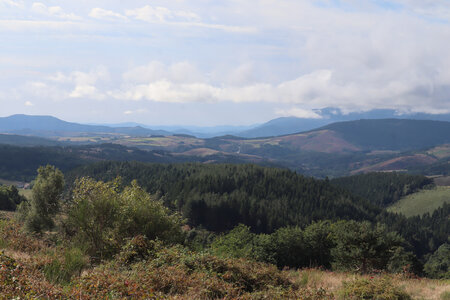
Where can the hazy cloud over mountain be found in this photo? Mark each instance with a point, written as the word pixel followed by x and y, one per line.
pixel 207 62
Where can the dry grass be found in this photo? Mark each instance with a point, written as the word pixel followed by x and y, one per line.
pixel 418 288
pixel 426 288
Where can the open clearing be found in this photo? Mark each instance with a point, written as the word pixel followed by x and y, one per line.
pixel 422 202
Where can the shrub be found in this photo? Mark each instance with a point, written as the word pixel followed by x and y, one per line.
pixel 10 198
pixel 380 288
pixel 138 249
pixel 15 238
pixel 18 281
pixel 236 243
pixel 101 217
pixel 62 272
pixel 438 265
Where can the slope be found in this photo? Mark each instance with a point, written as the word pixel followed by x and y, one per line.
pixel 393 134
pixel 421 202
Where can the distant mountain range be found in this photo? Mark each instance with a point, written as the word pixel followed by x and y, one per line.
pixel 336 149
pixel 48 126
pixel 290 125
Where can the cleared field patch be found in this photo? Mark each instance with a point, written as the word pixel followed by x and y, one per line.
pixel 25 192
pixel 422 202
pixel 167 142
pixel 440 151
pixel 442 181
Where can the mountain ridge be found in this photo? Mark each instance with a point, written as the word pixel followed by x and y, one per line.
pixel 52 126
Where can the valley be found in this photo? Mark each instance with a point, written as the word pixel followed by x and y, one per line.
pixel 232 204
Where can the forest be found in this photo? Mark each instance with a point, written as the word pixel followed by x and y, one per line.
pixel 383 189
pixel 220 197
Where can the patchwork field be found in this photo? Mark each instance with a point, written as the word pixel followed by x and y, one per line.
pixel 425 201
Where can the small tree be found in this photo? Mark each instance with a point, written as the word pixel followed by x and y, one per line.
pixel 236 243
pixel 438 265
pixel 363 247
pixel 39 212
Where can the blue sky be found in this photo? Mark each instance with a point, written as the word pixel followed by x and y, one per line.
pixel 210 62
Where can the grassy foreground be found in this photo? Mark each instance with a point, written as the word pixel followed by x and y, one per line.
pixel 37 268
pixel 424 201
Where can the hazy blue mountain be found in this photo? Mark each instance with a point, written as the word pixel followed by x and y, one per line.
pixel 283 126
pixel 197 131
pixel 290 125
pixel 51 126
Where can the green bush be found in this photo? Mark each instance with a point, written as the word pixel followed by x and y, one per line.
pixel 379 288
pixel 62 271
pixel 10 198
pixel 102 217
pixel 138 249
pixel 237 243
pixel 438 265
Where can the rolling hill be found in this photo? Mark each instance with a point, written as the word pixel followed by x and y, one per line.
pixel 393 134
pixel 291 125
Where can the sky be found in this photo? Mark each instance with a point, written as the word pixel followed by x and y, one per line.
pixel 215 62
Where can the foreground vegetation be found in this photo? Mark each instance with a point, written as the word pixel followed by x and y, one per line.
pixel 220 197
pixel 113 239
pixel 35 268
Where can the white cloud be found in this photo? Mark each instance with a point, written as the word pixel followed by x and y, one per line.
pixel 163 15
pixel 100 13
pixel 356 56
pixel 318 89
pixel 78 84
pixel 299 113
pixel 28 103
pixel 55 11
pixel 181 72
pixel 85 91
pixel 439 9
pixel 165 91
pixel 85 83
pixel 133 112
pixel 11 3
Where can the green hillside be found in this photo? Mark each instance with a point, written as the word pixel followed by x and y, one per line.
pixel 424 201
pixel 220 196
pixel 393 134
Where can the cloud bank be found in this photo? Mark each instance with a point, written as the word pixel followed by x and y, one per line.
pixel 287 57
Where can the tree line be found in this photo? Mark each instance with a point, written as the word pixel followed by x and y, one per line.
pixel 383 189
pixel 221 196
